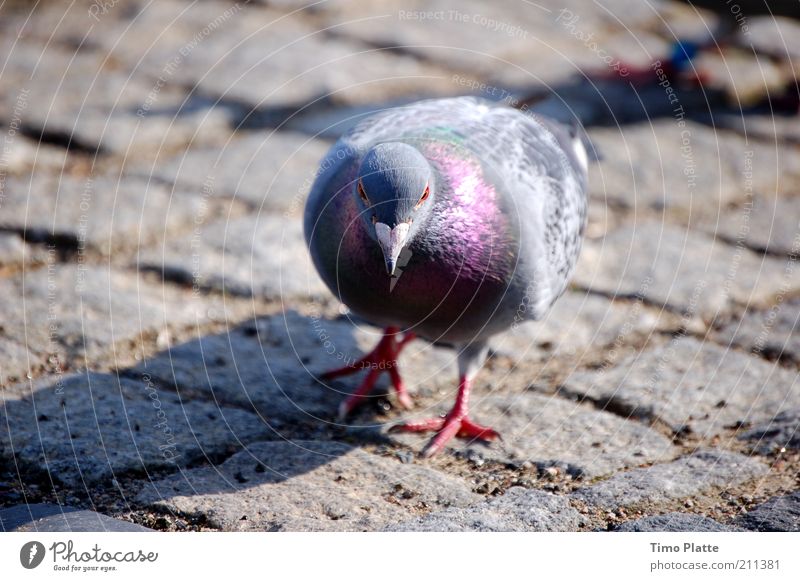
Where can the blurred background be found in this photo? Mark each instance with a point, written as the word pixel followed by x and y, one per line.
pixel 154 162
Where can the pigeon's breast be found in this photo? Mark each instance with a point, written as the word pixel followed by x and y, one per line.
pixel 453 276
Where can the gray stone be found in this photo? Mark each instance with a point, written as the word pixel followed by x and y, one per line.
pixel 747 78
pixel 602 219
pixel 661 166
pixel 52 518
pixel 272 365
pixel 686 21
pixel 765 224
pixel 103 213
pixel 169 128
pixel 25 56
pixel 498 45
pixel 692 475
pixel 306 486
pixel 685 271
pixel 776 435
pixel 15 355
pixel 639 15
pixel 777 514
pixel 171 124
pixel 14 253
pixel 243 53
pixel 773 332
pixel 256 256
pixel 68 316
pixel 675 522
pixel 774 129
pixel 270 171
pixel 21 155
pixel 130 35
pixel 550 431
pixel 84 98
pixel 776 36
pixel 272 65
pixel 579 322
pixel 519 509
pixel 87 429
pixel 688 384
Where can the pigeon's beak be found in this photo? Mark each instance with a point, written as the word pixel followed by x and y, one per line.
pixel 392 241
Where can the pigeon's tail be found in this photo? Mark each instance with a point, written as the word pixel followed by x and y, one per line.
pixel 576 136
pixel 554 108
pixel 583 146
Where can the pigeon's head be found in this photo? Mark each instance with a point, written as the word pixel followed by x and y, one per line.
pixel 395 189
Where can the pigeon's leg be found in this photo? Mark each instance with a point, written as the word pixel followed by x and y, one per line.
pixel 382 358
pixel 457 422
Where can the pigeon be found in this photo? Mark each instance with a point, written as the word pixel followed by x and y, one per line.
pixel 449 220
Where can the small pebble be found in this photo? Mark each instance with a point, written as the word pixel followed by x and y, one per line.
pixel 405 456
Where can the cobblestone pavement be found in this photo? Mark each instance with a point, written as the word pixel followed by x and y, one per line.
pixel 162 331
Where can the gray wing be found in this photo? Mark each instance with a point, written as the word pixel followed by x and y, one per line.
pixel 542 166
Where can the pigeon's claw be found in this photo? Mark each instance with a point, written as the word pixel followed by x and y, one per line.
pixel 455 424
pixel 446 429
pixel 461 427
pixel 381 359
pixel 429 425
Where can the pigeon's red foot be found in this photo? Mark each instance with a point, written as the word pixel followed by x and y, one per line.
pixel 382 358
pixel 454 424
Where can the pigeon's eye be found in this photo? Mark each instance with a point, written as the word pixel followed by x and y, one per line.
pixel 362 193
pixel 424 197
